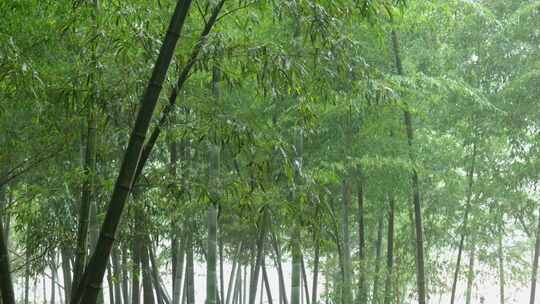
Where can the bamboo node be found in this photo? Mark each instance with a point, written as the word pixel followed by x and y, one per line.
pixel 139 135
pixel 108 236
pixel 96 286
pixel 124 187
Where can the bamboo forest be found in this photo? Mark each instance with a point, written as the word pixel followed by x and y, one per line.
pixel 269 151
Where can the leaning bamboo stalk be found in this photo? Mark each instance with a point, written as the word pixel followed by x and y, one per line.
pixel 86 293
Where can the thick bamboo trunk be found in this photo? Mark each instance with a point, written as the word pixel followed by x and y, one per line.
pixel 296 252
pixel 295 274
pixel 110 283
pixel 174 260
pixel 470 275
pixel 211 256
pixel 177 244
pixel 221 270
pixel 34 291
pixel 464 227
pixel 178 274
pixel 419 234
pixel 232 279
pixel 136 261
pixel 362 287
pixel 161 293
pixel 259 256
pixel 261 296
pixel 27 268
pixel 190 275
pixel 398 292
pixel 231 285
pixel 240 280
pixel 60 297
pixel 458 263
pixel 66 271
pixel 316 263
pixel 93 238
pixel 214 151
pixel 81 250
pixel 160 297
pixel 44 290
pixel 125 276
pixel 117 275
pixel 148 291
pixel 337 282
pixel 420 280
pixel 388 294
pixel 53 282
pixel 6 284
pixel 7 220
pixel 237 297
pixel 266 284
pixel 304 280
pixel 244 286
pixel 346 259
pixel 500 251
pixel 378 257
pixel 183 298
pixel 281 278
pixel 301 291
pixel 7 226
pixel 85 292
pixel 534 272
